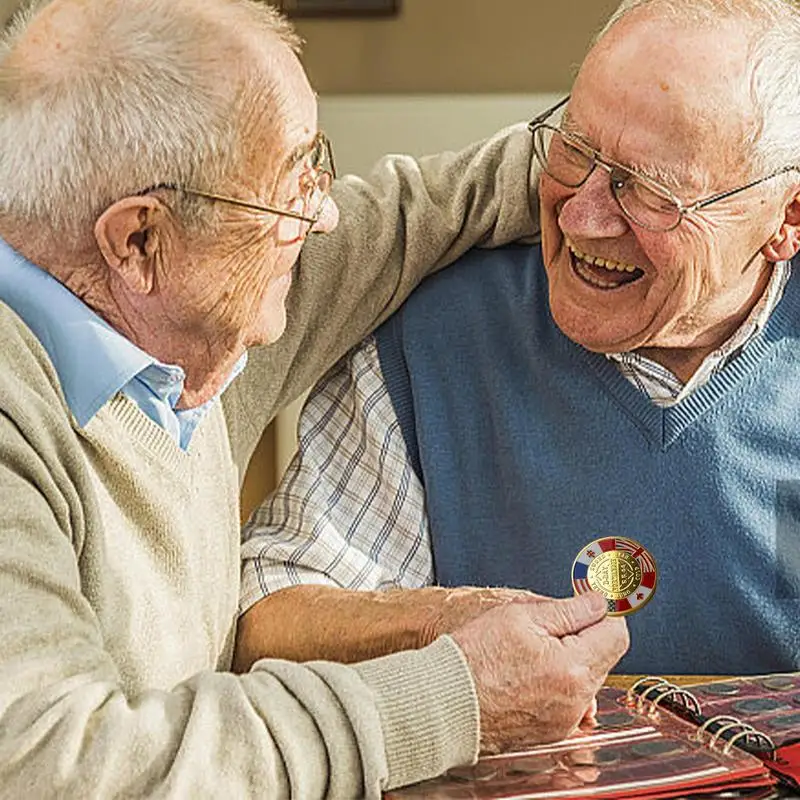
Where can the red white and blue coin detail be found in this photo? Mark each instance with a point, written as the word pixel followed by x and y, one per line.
pixel 620 569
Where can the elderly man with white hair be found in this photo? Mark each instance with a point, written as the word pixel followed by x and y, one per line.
pixel 161 168
pixel 634 375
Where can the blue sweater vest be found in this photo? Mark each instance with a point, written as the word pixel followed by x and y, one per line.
pixel 530 447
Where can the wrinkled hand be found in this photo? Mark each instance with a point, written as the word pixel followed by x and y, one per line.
pixel 450 608
pixel 538 665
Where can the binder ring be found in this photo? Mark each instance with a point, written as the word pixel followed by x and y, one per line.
pixel 715 737
pixel 752 733
pixel 632 692
pixel 720 718
pixel 662 688
pixel 686 698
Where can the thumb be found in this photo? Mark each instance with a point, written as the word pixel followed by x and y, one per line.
pixel 570 615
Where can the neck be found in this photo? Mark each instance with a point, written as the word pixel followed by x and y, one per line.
pixel 684 361
pixel 202 385
pixel 206 358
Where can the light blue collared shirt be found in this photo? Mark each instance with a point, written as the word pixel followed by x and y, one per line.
pixel 92 360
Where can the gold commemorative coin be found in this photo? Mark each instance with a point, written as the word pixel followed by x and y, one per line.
pixel 621 569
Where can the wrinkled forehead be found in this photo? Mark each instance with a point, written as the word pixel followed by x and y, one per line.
pixel 654 91
pixel 278 114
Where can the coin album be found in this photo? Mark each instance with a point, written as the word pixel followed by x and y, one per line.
pixel 655 740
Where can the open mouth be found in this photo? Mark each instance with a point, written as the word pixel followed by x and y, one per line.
pixel 602 273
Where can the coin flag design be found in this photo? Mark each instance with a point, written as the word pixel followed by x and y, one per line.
pixel 619 568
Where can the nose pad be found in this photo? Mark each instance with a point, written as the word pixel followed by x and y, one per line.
pixel 592 211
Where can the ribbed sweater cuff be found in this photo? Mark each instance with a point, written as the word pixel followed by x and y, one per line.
pixel 429 710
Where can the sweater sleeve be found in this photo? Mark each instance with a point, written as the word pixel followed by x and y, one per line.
pixel 407 219
pixel 69 729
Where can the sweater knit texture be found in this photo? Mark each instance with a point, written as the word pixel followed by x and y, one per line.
pixel 530 447
pixel 119 552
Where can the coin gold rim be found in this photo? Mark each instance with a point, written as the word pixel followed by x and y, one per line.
pixel 636 545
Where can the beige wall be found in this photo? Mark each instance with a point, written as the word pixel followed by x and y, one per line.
pixel 461 46
pixel 7 8
pixel 454 46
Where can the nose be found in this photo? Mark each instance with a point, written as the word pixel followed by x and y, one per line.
pixel 592 212
pixel 328 217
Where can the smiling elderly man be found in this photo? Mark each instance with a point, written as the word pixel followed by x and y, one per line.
pixel 485 436
pixel 161 167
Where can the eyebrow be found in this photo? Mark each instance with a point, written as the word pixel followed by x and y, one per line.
pixel 660 175
pixel 665 177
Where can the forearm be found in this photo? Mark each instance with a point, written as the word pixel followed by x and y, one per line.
pixel 73 725
pixel 304 623
pixel 284 730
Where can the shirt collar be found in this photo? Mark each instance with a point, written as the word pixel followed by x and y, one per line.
pixel 92 360
pixel 664 388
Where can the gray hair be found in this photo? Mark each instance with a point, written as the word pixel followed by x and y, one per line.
pixel 148 95
pixel 774 67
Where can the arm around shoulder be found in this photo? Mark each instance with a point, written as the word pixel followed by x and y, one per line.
pixel 408 218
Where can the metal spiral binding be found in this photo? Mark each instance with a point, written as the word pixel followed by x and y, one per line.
pixel 747 732
pixel 661 689
pixel 757 736
pixel 720 718
pixel 682 696
pixel 634 697
pixel 729 726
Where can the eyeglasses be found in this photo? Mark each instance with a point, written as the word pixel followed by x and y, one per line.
pixel 297 221
pixel 570 161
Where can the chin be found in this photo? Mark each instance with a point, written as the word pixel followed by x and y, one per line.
pixel 591 332
pixel 271 322
pixel 265 334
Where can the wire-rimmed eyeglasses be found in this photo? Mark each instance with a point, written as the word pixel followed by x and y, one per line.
pixel 304 211
pixel 570 161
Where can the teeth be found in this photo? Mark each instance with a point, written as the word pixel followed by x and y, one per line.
pixel 613 266
pixel 587 276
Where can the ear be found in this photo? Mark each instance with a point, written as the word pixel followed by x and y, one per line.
pixel 129 236
pixel 786 242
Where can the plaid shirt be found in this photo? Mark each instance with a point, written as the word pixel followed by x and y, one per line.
pixel 350 510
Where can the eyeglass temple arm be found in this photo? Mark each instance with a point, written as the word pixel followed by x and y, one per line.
pixel 545 114
pixel 713 199
pixel 231 201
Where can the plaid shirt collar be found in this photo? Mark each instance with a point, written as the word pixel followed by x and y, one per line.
pixel 664 388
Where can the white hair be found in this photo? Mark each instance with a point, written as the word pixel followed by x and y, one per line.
pixel 145 94
pixel 773 65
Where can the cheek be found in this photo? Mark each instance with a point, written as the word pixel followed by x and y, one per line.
pixel 682 269
pixel 686 257
pixel 552 197
pixel 285 257
pixel 265 265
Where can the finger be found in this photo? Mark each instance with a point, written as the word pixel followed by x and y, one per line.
pixel 590 716
pixel 570 615
pixel 601 645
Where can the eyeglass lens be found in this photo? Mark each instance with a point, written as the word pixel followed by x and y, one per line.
pixel 570 162
pixel 315 185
